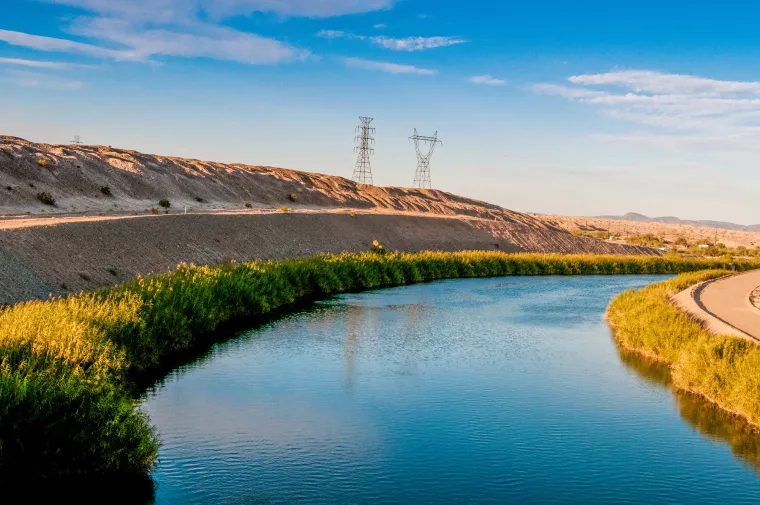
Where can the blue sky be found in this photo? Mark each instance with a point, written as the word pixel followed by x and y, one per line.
pixel 581 108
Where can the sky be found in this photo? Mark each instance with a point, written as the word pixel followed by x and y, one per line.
pixel 576 108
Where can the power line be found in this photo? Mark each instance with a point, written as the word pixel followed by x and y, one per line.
pixel 422 175
pixel 362 145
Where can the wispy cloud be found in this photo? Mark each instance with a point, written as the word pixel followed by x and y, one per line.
pixel 332 34
pixel 409 44
pixel 380 26
pixel 415 43
pixel 178 10
pixel 200 40
pixel 488 80
pixel 50 44
pixel 392 68
pixel 37 80
pixel 41 64
pixel 143 30
pixel 680 111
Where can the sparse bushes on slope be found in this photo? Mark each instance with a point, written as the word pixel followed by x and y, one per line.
pixel 723 369
pixel 67 365
pixel 46 198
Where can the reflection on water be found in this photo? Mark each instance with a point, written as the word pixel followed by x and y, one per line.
pixel 479 391
pixel 712 422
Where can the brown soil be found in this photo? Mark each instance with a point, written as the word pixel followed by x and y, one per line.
pixel 90 239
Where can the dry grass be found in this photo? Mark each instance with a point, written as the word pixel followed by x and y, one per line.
pixel 722 369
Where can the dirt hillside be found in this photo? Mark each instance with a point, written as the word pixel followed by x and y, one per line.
pixel 102 227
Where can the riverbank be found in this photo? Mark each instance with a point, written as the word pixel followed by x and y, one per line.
pixel 722 369
pixel 68 365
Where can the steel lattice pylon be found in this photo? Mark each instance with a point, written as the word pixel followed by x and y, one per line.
pixel 422 175
pixel 363 142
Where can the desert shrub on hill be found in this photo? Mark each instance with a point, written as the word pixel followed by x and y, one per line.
pixel 46 198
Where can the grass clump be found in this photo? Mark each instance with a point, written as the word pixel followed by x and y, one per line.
pixel 106 190
pixel 722 369
pixel 284 209
pixel 69 366
pixel 46 198
pixel 154 211
pixel 248 205
pixel 42 162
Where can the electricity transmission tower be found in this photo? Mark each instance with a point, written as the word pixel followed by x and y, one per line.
pixel 77 140
pixel 422 175
pixel 363 142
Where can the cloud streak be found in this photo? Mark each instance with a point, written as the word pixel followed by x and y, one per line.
pixel 408 44
pixel 680 111
pixel 392 68
pixel 173 11
pixel 40 64
pixel 487 80
pixel 36 80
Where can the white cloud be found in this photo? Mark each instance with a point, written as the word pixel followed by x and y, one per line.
pixel 36 80
pixel 172 11
pixel 682 112
pixel 415 43
pixel 656 82
pixel 331 34
pixel 39 64
pixel 408 44
pixel 380 26
pixel 200 40
pixel 50 44
pixel 392 68
pixel 142 30
pixel 488 80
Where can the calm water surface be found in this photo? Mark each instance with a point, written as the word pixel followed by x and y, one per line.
pixel 503 390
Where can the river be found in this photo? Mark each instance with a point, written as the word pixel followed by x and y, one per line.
pixel 507 390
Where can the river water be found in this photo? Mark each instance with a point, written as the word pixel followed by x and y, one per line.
pixel 506 390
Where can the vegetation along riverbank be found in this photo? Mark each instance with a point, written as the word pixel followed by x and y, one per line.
pixel 722 369
pixel 68 365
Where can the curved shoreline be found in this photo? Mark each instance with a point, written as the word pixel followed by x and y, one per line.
pixel 719 368
pixel 67 365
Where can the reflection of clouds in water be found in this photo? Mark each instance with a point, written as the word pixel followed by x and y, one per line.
pixel 278 423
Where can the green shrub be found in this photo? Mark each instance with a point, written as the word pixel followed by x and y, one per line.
pixel 165 203
pixel 106 190
pixel 46 198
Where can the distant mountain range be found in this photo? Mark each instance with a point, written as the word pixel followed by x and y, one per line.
pixel 640 218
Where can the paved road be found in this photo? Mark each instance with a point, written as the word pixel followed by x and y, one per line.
pixel 725 306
